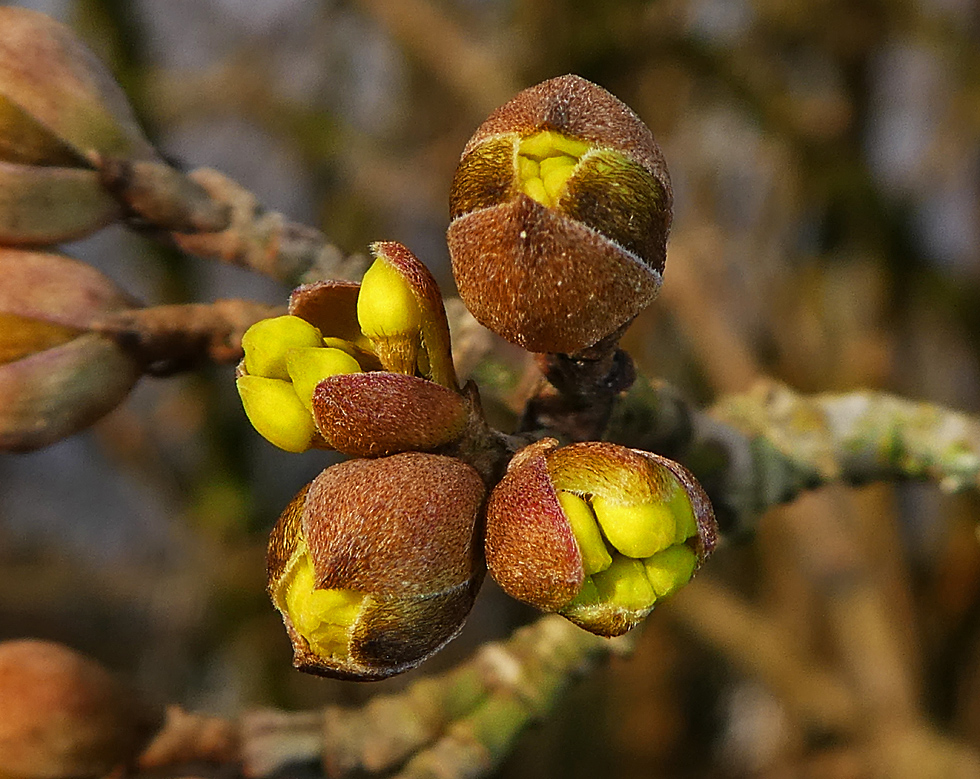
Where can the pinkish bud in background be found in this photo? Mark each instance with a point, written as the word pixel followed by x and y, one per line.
pixel 56 375
pixel 61 112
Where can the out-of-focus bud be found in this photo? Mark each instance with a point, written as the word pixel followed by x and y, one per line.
pixel 596 531
pixel 560 209
pixel 56 376
pixel 60 112
pixel 374 566
pixel 64 715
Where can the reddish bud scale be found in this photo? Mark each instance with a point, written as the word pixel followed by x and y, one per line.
pixel 331 307
pixel 379 413
pixel 527 492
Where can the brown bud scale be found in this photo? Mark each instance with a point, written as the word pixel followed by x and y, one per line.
pixel 378 413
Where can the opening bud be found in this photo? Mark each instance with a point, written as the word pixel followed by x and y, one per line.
pixel 596 531
pixel 374 565
pixel 302 390
pixel 560 209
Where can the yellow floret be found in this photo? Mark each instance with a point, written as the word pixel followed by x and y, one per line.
pixel 265 344
pixel 545 162
pixel 276 412
pixel 308 366
pixel 595 556
pixel 323 617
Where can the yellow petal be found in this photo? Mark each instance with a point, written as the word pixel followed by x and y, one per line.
pixel 595 556
pixel 307 366
pixel 276 412
pixel 670 569
pixel 625 584
pixel 636 530
pixel 390 317
pixel 266 342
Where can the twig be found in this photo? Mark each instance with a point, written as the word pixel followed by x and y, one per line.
pixel 458 724
pixel 207 214
pixel 762 448
pixel 168 339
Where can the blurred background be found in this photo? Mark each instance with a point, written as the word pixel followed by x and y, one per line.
pixel 826 166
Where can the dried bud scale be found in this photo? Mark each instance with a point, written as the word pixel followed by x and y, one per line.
pixel 560 209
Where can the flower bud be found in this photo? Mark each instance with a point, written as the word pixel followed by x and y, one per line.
pixel 60 111
pixel 65 715
pixel 374 565
pixel 596 531
pixel 560 209
pixel 56 375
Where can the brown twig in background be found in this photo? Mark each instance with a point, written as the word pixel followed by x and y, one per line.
pixel 168 339
pixel 206 214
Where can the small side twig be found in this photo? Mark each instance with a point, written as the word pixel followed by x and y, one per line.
pixel 576 399
pixel 209 215
pixel 169 339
